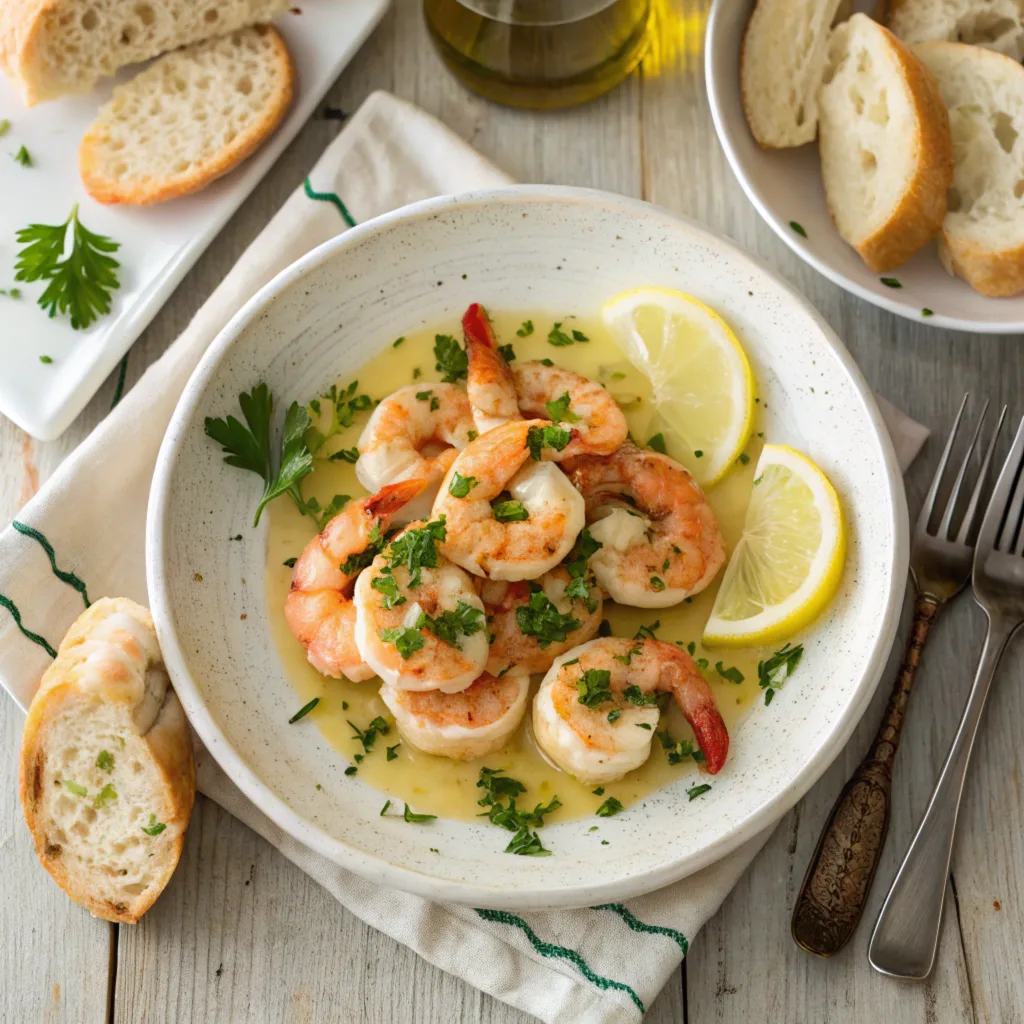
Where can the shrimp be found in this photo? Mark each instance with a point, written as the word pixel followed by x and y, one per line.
pixel 498 393
pixel 477 721
pixel 526 619
pixel 319 609
pixel 416 432
pixel 420 623
pixel 660 541
pixel 590 704
pixel 533 532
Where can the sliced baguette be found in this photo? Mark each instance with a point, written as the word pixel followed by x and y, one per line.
pixel 188 119
pixel 782 59
pixel 983 233
pixel 886 152
pixel 105 716
pixel 995 24
pixel 51 48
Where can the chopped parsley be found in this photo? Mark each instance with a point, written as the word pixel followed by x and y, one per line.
pixel 465 620
pixel 105 761
pixel 387 586
pixel 451 358
pixel 743 458
pixel 398 341
pixel 290 562
pixel 627 659
pixel 657 584
pixel 525 329
pixel 407 640
pixel 890 282
pixel 356 563
pixel 304 710
pixel 154 828
pixel 23 157
pixel 368 736
pixel 559 410
pixel 604 628
pixel 417 549
pixel 696 791
pixel 614 715
pixel 511 511
pixel 698 454
pixel 678 751
pixel 46 360
pixel 351 769
pixel 599 791
pixel 411 816
pixel 927 312
pixel 771 674
pixel 5 127
pixel 349 455
pixel 609 808
pixel 594 687
pixel 75 787
pixel 384 809
pixel 657 444
pixel 541 619
pixel 732 673
pixel 578 566
pixel 558 337
pixel 393 752
pixel 798 228
pixel 637 696
pixel 11 293
pixel 545 362
pixel 648 632
pixel 527 844
pixel 508 353
pixel 460 485
pixel 429 396
pixel 546 437
pixel 498 787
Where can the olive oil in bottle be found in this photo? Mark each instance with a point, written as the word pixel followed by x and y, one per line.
pixel 540 53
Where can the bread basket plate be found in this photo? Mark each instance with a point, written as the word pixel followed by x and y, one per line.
pixel 159 244
pixel 785 187
pixel 545 249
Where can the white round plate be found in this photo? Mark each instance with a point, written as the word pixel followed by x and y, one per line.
pixel 785 186
pixel 531 248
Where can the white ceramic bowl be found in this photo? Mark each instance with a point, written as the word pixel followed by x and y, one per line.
pixel 536 248
pixel 785 185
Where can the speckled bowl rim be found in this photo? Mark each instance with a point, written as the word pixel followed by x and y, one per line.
pixel 428 886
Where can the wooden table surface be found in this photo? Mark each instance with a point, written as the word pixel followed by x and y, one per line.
pixel 242 935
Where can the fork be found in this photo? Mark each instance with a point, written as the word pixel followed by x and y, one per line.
pixel 839 875
pixel 906 936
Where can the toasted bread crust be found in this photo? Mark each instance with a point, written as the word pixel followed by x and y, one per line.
pixel 922 208
pixel 168 742
pixel 998 274
pixel 197 177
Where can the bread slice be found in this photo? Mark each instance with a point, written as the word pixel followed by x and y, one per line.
pixel 995 24
pixel 189 118
pixel 983 233
pixel 782 59
pixel 886 152
pixel 106 760
pixel 51 48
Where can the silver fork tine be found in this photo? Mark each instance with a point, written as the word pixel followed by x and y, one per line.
pixel 1012 520
pixel 1000 499
pixel 973 506
pixel 954 495
pixel 929 501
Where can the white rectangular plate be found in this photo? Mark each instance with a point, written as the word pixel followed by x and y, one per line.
pixel 158 244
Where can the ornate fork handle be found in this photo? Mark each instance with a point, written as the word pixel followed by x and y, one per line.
pixel 838 878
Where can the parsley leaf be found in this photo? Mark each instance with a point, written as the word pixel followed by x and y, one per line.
pixel 23 157
pixel 558 337
pixel 80 285
pixel 417 818
pixel 417 549
pixel 657 444
pixel 368 736
pixel 542 619
pixel 637 696
pixel 104 796
pixel 614 715
pixel 75 787
pixel 105 761
pixel 732 673
pixel 342 404
pixel 657 584
pixel 697 791
pixel 578 565
pixel 678 751
pixel 508 353
pixel 387 586
pixel 559 410
pixel 393 752
pixel 497 786
pixel 609 808
pixel 154 828
pixel 451 358
pixel 304 710
pixel 594 687
pixel 460 485
pixel 407 640
pixel 527 844
pixel 526 329
pixel 465 620
pixel 771 674
pixel 546 437
pixel 648 632
pixel 510 511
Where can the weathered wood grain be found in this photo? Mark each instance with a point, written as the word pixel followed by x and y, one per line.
pixel 241 934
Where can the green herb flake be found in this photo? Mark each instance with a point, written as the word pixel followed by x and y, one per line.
pixel 657 584
pixel 545 362
pixel 451 358
pixel 637 696
pixel 546 437
pixel 696 791
pixel 78 286
pixel 154 828
pixel 558 337
pixel 540 618
pixel 384 809
pixel 75 787
pixel 676 751
pixel 23 157
pixel 594 687
pixel 368 736
pixel 890 282
pixel 743 458
pixel 648 632
pixel 657 444
pixel 599 791
pixel 407 640
pixel 5 127
pixel 927 312
pixel 304 710
pixel 290 562
pixel 510 511
pixel 349 455
pixel 525 329
pixel 464 620
pixel 771 674
pixel 393 752
pixel 582 584
pixel 698 454
pixel 46 360
pixel 609 808
pixel 604 628
pixel 105 761
pixel 732 673
pixel 527 844
pixel 508 353
pixel 104 797
pixel 460 485
pixel 351 770
pixel 411 816
pixel 11 293
pixel 417 549
pixel 798 228
pixel 398 341
pixel 559 410
pixel 614 715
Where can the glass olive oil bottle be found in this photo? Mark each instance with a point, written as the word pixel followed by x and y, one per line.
pixel 540 53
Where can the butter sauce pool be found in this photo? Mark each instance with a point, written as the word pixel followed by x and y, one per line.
pixel 447 788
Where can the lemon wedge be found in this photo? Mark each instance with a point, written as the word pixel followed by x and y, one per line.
pixel 702 385
pixel 788 563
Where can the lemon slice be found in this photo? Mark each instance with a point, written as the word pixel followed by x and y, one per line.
pixel 788 563
pixel 702 384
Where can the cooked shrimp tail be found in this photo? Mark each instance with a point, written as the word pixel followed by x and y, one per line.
pixel 489 384
pixel 392 497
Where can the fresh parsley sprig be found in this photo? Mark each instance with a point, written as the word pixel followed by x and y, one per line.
pixel 771 674
pixel 80 285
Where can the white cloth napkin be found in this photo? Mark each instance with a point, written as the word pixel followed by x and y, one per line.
pixel 85 529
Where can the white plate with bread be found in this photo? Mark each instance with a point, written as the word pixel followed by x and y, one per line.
pixel 157 159
pixel 890 158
